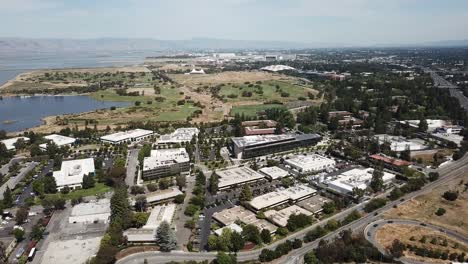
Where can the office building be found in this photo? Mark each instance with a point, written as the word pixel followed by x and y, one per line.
pixel 129 136
pixel 72 171
pixel 310 163
pixel 58 140
pixel 165 162
pixel 355 178
pixel 180 135
pixel 237 176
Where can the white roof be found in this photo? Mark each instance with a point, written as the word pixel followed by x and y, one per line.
pixel 259 139
pixel 356 178
pixel 274 172
pixel 99 207
pixel 400 143
pixel 237 175
pixel 276 68
pixel 10 143
pixel 234 227
pixel 159 214
pixel 230 215
pixel 59 140
pixel 298 191
pixel 162 195
pixel 179 135
pixel 72 171
pixel 281 217
pixel 310 162
pixel 127 135
pixel 272 198
pixel 164 157
pixel 140 234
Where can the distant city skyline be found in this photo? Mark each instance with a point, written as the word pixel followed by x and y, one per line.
pixel 349 22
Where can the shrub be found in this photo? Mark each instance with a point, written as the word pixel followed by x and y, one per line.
pixel 450 195
pixel 440 212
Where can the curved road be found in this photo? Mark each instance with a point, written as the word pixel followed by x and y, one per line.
pixel 447 172
pixel 371 230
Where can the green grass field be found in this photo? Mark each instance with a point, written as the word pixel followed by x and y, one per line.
pixel 100 188
pixel 251 110
pixel 269 89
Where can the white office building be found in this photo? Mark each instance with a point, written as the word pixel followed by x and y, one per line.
pixel 58 140
pixel 72 171
pixel 310 163
pixel 91 212
pixel 272 199
pixel 237 176
pixel 180 135
pixel 147 233
pixel 399 144
pixel 281 217
pixel 129 136
pixel 10 143
pixel 356 178
pixel 165 162
pixel 274 173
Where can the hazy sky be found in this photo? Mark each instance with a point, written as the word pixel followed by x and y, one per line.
pixel 322 21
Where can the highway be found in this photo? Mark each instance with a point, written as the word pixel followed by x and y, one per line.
pixel 447 172
pixel 371 230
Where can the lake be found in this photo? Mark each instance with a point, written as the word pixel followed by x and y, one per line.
pixel 19 113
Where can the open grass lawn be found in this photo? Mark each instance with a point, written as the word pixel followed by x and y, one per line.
pixel 99 188
pixel 251 110
pixel 272 90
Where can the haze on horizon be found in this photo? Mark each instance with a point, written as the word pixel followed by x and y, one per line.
pixel 349 22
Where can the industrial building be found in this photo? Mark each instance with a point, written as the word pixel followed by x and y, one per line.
pixel 236 177
pixel 281 217
pixel 58 140
pixel 129 136
pixel 355 178
pixel 389 161
pixel 259 127
pixel 254 146
pixel 310 163
pixel 91 212
pixel 72 171
pixel 10 143
pixel 165 162
pixel 399 144
pixel 273 199
pixel 274 173
pixel 314 204
pixel 180 135
pixel 240 214
pixel 162 196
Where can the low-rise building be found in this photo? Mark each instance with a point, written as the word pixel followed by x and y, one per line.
pixel 310 163
pixel 390 161
pixel 91 212
pixel 274 173
pixel 165 162
pixel 273 199
pixel 254 146
pixel 10 143
pixel 162 196
pixel 233 227
pixel 398 143
pixel 355 178
pixel 72 171
pixel 129 136
pixel 180 135
pixel 58 140
pixel 240 214
pixel 259 127
pixel 237 176
pixel 314 204
pixel 281 217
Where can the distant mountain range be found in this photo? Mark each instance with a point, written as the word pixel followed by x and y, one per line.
pixel 12 45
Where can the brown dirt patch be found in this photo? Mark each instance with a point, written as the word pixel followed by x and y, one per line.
pixel 423 207
pixel 132 250
pixel 227 77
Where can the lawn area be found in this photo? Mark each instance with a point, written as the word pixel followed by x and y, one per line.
pixel 265 91
pixel 252 110
pixel 100 188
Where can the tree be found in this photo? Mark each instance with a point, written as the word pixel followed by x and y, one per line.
pixel 120 207
pixel 223 258
pixel 310 258
pixel 165 237
pixel 395 194
pixel 137 190
pixel 266 236
pixel 433 176
pixel 246 194
pixel 450 195
pixel 213 183
pixel 19 234
pixel 422 126
pixel 140 219
pixel 224 240
pixel 297 221
pixel 38 187
pixel 440 212
pixel 141 203
pixel 329 207
pixel 88 181
pixel 181 181
pixel 251 233
pixel 376 183
pixel 50 185
pixel 237 241
pixel 106 254
pixel 164 183
pixel 374 204
pixel 397 248
pixel 7 198
pixel 21 215
pixel 179 199
pixel 152 187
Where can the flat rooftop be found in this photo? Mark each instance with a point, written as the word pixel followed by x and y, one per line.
pixel 313 204
pixel 357 178
pixel 238 213
pixel 164 157
pixel 278 197
pixel 232 227
pixel 398 143
pixel 237 175
pixel 101 206
pixel 274 172
pixel 162 195
pixel 179 135
pixel 60 140
pixel 259 139
pixel 310 161
pixel 127 135
pixel 140 234
pixel 299 191
pixel 10 143
pixel 390 160
pixel 281 217
pixel 159 214
pixel 77 250
pixel 457 139
pixel 72 171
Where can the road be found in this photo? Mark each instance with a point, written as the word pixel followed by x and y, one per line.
pixel 28 190
pixel 132 162
pixel 371 230
pixel 448 172
pixel 440 82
